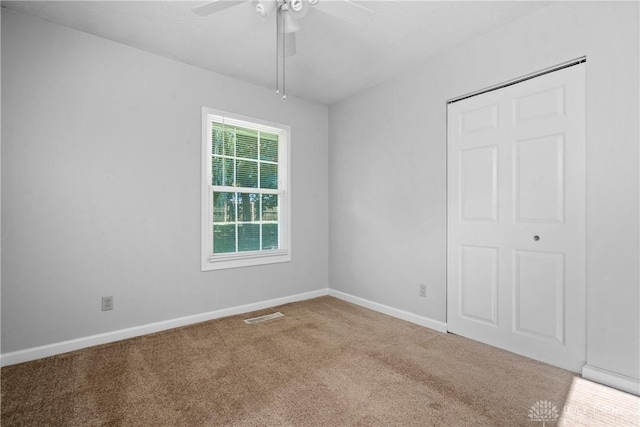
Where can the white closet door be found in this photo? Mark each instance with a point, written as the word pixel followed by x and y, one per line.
pixel 516 218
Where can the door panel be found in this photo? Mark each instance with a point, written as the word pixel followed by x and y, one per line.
pixel 544 104
pixel 539 288
pixel 479 284
pixel 516 238
pixel 479 119
pixel 479 184
pixel 539 179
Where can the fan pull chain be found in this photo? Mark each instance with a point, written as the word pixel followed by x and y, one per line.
pixel 277 50
pixel 284 55
pixel 281 7
pixel 284 93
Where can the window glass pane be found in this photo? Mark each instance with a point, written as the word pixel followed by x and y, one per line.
pixel 246 173
pixel 229 141
pixel 222 171
pixel 268 175
pixel 248 207
pixel 228 172
pixel 224 209
pixel 217 171
pixel 269 207
pixel 268 147
pixel 248 237
pixel 216 139
pixel 224 238
pixel 246 143
pixel 269 236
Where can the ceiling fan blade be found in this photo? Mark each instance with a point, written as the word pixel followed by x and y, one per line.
pixel 289 44
pixel 346 10
pixel 215 6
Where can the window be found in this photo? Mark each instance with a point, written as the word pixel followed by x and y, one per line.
pixel 245 199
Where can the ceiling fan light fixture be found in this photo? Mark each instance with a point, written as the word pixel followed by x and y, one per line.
pixel 296 5
pixel 266 7
pixel 291 24
pixel 298 8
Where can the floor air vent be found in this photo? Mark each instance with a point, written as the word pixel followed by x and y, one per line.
pixel 263 318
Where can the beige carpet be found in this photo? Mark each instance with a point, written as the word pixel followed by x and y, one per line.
pixel 326 363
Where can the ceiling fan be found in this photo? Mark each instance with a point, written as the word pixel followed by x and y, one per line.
pixel 288 14
pixel 346 10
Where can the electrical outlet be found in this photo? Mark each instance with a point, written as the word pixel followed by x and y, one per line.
pixel 423 290
pixel 107 303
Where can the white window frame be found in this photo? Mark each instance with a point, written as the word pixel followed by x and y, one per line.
pixel 211 261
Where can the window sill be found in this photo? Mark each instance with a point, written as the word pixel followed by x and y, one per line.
pixel 222 262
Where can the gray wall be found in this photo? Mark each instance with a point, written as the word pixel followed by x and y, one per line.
pixel 101 169
pixel 101 187
pixel 387 148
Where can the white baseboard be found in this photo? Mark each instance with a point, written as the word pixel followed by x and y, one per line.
pixel 34 353
pixel 394 312
pixel 90 341
pixel 611 379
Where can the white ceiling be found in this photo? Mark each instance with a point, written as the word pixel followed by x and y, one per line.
pixel 334 59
